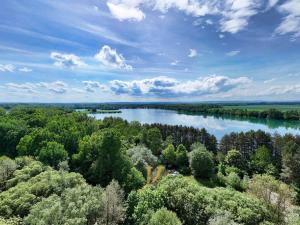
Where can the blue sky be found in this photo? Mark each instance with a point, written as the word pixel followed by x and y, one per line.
pixel 149 50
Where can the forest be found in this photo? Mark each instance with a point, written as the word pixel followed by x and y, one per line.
pixel 63 167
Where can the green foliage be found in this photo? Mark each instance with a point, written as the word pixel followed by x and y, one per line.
pixel 291 163
pixel 7 168
pixel 26 172
pixel 195 204
pixel 18 200
pixel 154 140
pixel 32 143
pixel 201 162
pixel 277 195
pixel 11 221
pixel 11 131
pixel 77 206
pixel 233 180
pixel 52 154
pixel 234 159
pixel 100 159
pixel 114 208
pixel 164 217
pixel 223 218
pixel 169 156
pixel 261 161
pixel 182 159
pixel 141 157
pixel 80 205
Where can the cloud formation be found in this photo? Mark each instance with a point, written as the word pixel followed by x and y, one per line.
pixel 291 22
pixel 169 87
pixel 234 14
pixel 57 87
pixel 193 53
pixel 110 58
pixel 125 11
pixel 25 70
pixel 7 68
pixel 66 60
pixel 28 87
pixel 281 90
pixel 92 86
pixel 233 53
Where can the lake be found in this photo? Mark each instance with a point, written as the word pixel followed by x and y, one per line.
pixel 218 126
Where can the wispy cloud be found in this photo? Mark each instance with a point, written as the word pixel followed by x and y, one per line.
pixel 291 22
pixel 57 87
pixel 7 68
pixel 25 70
pixel 233 53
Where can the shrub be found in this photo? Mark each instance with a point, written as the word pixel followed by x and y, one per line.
pixel 164 217
pixel 201 163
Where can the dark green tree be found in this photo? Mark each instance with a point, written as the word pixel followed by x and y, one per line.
pixel 154 140
pixel 201 163
pixel 52 154
pixel 169 156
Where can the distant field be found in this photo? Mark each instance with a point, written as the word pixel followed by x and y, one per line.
pixel 265 107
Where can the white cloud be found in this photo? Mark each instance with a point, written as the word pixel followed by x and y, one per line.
pixel 169 87
pixel 92 86
pixel 281 90
pixel 125 11
pixel 28 87
pixel 174 63
pixel 198 22
pixel 57 87
pixel 110 58
pixel 233 53
pixel 66 60
pixel 270 80
pixel 235 14
pixel 193 53
pixel 221 36
pixel 7 68
pixel 271 3
pixel 25 70
pixel 190 7
pixel 290 23
pixel 209 22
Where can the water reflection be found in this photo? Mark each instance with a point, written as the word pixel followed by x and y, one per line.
pixel 217 125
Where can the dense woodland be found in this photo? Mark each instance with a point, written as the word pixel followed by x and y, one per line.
pixel 58 166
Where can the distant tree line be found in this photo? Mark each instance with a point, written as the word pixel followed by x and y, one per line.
pixel 201 108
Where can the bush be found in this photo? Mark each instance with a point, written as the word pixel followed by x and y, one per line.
pixel 52 154
pixel 164 217
pixel 224 218
pixel 201 163
pixel 18 200
pixel 195 204
pixel 233 180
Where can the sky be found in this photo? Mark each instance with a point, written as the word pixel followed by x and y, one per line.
pixel 149 50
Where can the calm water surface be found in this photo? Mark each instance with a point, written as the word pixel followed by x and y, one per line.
pixel 214 125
